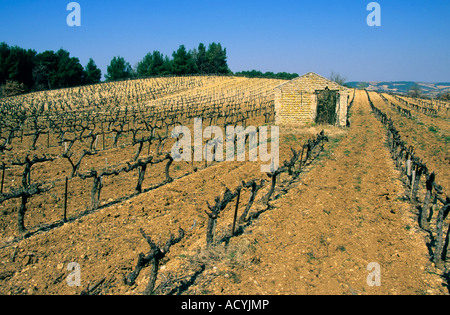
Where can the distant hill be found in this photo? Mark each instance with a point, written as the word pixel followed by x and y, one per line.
pixel 403 87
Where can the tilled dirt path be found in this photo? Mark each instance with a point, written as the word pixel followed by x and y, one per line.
pixel 428 135
pixel 345 215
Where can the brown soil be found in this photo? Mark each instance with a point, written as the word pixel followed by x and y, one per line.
pixel 344 212
pixel 430 137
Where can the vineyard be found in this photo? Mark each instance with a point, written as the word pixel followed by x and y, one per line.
pixel 87 177
pixel 96 134
pixel 413 166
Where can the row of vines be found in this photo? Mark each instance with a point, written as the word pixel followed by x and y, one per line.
pixel 53 143
pixel 434 206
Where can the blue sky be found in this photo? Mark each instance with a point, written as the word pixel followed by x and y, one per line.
pixel 299 36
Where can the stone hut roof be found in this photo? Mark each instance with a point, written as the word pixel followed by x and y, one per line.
pixel 311 82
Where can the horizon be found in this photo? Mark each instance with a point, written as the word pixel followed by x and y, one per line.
pixel 321 37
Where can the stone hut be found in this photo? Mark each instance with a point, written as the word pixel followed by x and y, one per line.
pixel 311 99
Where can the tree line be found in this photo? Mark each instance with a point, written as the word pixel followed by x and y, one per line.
pixel 183 62
pixel 25 70
pixel 267 75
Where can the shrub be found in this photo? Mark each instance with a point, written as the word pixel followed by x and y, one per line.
pixel 12 88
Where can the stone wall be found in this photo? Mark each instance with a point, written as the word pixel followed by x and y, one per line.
pixel 296 100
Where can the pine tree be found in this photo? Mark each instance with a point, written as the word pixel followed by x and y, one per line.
pixel 118 69
pixel 16 64
pixel 92 74
pixel 217 59
pixel 70 72
pixel 201 59
pixel 183 63
pixel 44 74
pixel 143 68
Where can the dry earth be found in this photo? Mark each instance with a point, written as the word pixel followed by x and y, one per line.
pixel 344 215
pixel 345 212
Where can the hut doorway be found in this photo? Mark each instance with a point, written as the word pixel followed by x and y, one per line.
pixel 326 107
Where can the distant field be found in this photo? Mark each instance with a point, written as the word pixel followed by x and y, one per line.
pixel 432 90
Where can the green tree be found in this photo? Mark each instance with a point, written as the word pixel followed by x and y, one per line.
pixel 47 70
pixel 44 73
pixel 268 75
pixel 57 70
pixel 143 67
pixel 118 69
pixel 183 62
pixel 167 67
pixel 250 74
pixel 92 74
pixel 161 65
pixel 153 64
pixel 5 50
pixel 200 58
pixel 286 76
pixel 70 71
pixel 41 79
pixel 16 64
pixel 217 59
